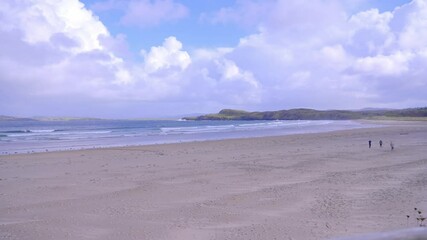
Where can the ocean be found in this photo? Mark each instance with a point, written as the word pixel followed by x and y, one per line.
pixel 40 136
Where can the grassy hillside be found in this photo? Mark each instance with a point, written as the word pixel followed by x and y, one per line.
pixel 311 114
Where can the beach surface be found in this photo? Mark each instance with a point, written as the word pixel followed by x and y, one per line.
pixel 307 186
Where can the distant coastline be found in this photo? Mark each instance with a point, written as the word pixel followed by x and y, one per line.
pixel 408 114
pixel 419 114
pixel 11 118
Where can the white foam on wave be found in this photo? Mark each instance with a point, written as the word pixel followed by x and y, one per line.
pixel 49 132
pixel 267 125
pixel 197 129
pixel 42 130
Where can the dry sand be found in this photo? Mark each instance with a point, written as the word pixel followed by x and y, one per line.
pixel 311 186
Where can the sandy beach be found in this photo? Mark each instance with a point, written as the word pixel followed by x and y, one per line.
pixel 309 186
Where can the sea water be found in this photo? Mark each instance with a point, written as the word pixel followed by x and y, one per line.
pixel 37 136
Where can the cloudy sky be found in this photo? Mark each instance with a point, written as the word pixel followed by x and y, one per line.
pixel 154 58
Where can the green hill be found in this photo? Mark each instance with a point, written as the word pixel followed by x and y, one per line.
pixel 311 114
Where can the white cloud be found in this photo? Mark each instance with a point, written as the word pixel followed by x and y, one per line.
pixel 43 21
pixel 318 55
pixel 412 35
pixel 299 79
pixel 214 77
pixel 372 19
pixel 334 57
pixel 57 45
pixel 167 56
pixel 395 64
pixel 232 78
pixel 299 55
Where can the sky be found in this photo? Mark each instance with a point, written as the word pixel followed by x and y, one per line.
pixel 162 58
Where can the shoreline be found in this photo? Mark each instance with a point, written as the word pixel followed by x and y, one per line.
pixel 196 138
pixel 305 186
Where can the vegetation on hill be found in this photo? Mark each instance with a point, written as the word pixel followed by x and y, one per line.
pixel 311 114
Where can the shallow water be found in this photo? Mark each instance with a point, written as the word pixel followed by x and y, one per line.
pixel 37 136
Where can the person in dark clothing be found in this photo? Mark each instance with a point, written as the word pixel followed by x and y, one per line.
pixel 391 146
pixel 370 143
pixel 381 143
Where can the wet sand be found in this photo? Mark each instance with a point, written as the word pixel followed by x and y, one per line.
pixel 309 186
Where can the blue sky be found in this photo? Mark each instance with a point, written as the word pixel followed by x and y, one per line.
pixel 196 31
pixel 191 29
pixel 156 58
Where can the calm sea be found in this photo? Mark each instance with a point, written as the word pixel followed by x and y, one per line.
pixel 37 136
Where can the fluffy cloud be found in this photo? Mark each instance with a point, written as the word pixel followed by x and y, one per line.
pixel 299 55
pixel 167 56
pixel 319 55
pixel 54 49
pixel 381 65
pixel 65 23
pixel 170 73
pixel 220 79
pixel 68 57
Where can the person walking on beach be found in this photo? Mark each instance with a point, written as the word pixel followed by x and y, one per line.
pixel 391 146
pixel 381 143
pixel 370 143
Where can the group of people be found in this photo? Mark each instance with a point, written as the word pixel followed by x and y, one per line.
pixel 381 144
